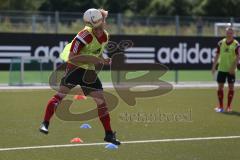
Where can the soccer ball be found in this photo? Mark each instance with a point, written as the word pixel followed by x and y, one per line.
pixel 93 17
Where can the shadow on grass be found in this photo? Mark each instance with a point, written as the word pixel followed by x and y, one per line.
pixel 233 113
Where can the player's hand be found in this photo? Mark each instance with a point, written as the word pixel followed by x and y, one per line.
pixel 232 72
pixel 213 71
pixel 108 61
pixel 97 61
pixel 103 61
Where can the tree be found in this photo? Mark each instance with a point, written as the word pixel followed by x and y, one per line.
pixel 20 4
pixel 139 7
pixel 197 7
pixel 114 6
pixel 158 7
pixel 169 7
pixel 221 7
pixel 132 7
pixel 67 5
pixel 180 7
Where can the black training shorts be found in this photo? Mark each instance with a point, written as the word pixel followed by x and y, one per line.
pixel 87 79
pixel 223 76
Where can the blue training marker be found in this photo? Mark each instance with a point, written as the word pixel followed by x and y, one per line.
pixel 111 146
pixel 85 125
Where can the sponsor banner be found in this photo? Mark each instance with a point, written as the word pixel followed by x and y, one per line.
pixel 175 52
pixel 190 53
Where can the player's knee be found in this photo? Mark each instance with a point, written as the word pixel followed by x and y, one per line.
pixel 220 87
pixel 60 95
pixel 98 97
pixel 231 88
pixel 56 99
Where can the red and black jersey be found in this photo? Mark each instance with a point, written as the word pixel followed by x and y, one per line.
pixel 83 38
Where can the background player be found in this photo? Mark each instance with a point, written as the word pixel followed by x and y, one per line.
pixel 227 59
pixel 89 44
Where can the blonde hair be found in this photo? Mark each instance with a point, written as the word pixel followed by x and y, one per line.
pixel 104 13
pixel 229 29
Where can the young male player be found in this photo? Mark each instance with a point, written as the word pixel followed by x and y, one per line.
pixel 227 59
pixel 89 43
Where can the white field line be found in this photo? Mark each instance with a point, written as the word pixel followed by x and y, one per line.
pixel 124 142
pixel 181 85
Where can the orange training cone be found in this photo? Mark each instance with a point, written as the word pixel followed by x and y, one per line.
pixel 76 140
pixel 80 97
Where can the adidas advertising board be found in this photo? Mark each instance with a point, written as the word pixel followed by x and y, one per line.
pixel 175 52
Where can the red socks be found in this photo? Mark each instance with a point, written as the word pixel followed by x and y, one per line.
pixel 230 97
pixel 220 98
pixel 102 112
pixel 104 117
pixel 51 106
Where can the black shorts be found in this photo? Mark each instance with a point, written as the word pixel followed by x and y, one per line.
pixel 87 79
pixel 222 76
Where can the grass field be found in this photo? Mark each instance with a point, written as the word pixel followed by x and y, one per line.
pixel 22 112
pixel 105 76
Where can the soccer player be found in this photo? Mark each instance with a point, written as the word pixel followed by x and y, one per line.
pixel 81 55
pixel 227 59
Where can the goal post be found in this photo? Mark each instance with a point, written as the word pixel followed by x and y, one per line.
pixel 220 25
pixel 30 70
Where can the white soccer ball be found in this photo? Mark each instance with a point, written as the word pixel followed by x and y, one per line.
pixel 93 17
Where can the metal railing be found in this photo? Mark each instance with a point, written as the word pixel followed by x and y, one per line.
pixel 71 22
